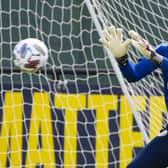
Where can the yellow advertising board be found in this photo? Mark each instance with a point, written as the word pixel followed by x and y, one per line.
pixel 66 128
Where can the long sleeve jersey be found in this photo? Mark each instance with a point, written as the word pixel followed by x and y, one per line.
pixel 134 72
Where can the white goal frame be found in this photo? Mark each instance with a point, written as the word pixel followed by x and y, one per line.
pixel 92 9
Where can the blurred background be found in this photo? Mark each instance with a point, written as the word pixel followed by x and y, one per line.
pixel 66 28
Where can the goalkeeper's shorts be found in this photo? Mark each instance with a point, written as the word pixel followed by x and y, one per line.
pixel 155 154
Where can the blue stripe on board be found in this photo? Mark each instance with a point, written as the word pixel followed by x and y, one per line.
pixel 114 139
pixel 86 138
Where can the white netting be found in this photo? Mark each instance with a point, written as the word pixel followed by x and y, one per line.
pixel 149 19
pixel 73 113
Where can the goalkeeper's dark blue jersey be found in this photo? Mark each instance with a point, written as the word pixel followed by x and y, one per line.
pixel 134 72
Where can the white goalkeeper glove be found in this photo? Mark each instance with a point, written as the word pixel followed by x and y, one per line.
pixel 141 44
pixel 144 47
pixel 113 39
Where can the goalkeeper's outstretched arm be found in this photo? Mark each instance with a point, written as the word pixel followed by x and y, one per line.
pixel 113 39
pixel 151 59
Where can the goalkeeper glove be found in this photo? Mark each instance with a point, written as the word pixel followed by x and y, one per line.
pixel 113 39
pixel 143 46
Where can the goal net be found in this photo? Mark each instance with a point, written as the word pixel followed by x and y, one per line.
pixel 78 111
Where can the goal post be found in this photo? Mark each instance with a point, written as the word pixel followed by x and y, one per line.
pixel 78 111
pixel 91 9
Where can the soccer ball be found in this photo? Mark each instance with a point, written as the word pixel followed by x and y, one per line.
pixel 30 55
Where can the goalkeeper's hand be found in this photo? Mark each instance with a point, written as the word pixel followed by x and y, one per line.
pixel 113 39
pixel 141 44
pixel 145 48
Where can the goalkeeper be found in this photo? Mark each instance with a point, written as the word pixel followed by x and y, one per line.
pixel 155 154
